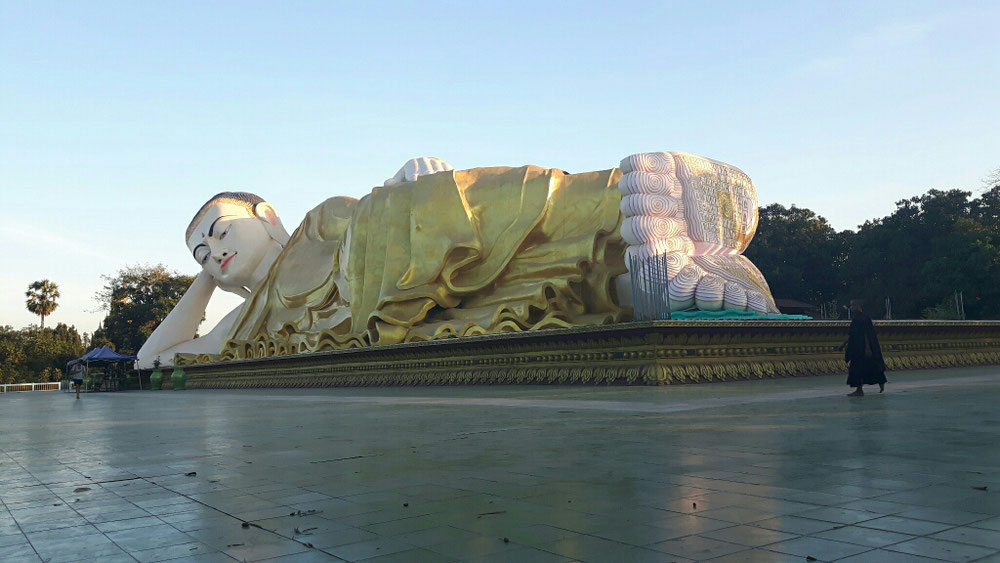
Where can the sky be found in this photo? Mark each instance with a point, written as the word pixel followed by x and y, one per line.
pixel 119 119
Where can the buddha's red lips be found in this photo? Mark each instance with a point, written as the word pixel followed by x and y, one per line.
pixel 226 261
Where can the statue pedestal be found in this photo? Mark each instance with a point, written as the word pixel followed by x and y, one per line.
pixel 641 353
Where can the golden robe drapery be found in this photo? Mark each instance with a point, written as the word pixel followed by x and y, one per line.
pixel 451 254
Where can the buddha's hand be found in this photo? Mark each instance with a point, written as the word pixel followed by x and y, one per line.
pixel 205 277
pixel 417 167
pixel 692 216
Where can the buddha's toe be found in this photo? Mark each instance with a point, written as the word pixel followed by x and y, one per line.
pixel 710 293
pixel 757 302
pixel 734 297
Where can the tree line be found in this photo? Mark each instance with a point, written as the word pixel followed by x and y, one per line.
pixel 931 249
pixel 135 300
pixel 34 354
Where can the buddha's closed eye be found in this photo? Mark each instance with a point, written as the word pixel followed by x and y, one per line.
pixel 201 253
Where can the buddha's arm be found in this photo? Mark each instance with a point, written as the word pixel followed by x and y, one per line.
pixel 210 343
pixel 180 325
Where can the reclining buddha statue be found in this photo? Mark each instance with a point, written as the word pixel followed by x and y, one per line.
pixel 437 252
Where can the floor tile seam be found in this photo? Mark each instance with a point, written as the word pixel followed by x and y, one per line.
pixel 881 492
pixel 912 537
pixel 916 488
pixel 105 534
pixel 939 559
pixel 950 527
pixel 234 517
pixel 894 515
pixel 762 498
pixel 701 535
pixel 798 491
pixel 935 505
pixel 931 536
pixel 866 550
pixel 102 483
pixel 20 529
pixel 649 546
pixel 592 535
pixel 567 557
pixel 732 525
pixel 748 550
pixel 86 519
pixel 880 514
pixel 53 493
pixel 797 536
pixel 479 536
pixel 971 524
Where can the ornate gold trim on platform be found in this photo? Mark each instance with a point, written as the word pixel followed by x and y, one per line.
pixel 651 353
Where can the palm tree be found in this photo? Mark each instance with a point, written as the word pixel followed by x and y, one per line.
pixel 42 297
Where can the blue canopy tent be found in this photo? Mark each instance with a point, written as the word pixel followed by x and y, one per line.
pixel 102 356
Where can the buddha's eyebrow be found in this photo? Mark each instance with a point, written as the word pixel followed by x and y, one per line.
pixel 212 227
pixel 195 251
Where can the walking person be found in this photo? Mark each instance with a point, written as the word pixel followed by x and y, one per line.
pixel 863 353
pixel 78 371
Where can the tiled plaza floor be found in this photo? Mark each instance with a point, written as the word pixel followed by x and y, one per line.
pixel 750 471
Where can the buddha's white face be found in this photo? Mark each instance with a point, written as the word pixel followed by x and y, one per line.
pixel 230 243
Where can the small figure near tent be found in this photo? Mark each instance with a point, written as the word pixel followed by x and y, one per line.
pixel 863 353
pixel 78 371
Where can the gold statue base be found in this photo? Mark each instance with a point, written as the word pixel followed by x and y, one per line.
pixel 638 353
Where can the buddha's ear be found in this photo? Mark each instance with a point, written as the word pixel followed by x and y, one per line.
pixel 272 223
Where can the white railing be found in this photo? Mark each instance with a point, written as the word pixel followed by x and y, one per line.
pixel 11 387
